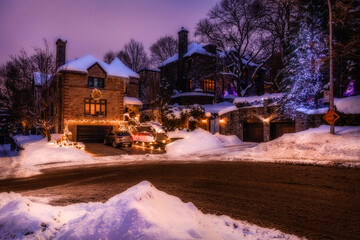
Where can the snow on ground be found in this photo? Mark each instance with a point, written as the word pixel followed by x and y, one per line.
pixel 195 141
pixel 141 212
pixel 315 145
pixel 38 151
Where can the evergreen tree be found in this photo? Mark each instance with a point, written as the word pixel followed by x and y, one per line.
pixel 305 69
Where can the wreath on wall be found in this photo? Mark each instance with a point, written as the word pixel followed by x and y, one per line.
pixel 96 94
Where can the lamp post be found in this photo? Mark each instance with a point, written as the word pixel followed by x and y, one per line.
pixel 331 97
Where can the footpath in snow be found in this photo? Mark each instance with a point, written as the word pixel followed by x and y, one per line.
pixel 141 212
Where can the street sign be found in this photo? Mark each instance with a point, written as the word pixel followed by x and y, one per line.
pixel 331 117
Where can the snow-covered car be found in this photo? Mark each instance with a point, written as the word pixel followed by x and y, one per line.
pixel 118 139
pixel 150 134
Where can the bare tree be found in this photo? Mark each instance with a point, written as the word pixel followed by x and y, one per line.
pixel 134 56
pixel 236 27
pixel 109 56
pixel 27 81
pixel 162 49
pixel 282 22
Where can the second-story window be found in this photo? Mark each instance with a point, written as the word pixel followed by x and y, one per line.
pixel 96 82
pixel 93 107
pixel 209 85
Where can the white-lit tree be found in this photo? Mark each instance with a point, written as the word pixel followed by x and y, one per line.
pixel 305 69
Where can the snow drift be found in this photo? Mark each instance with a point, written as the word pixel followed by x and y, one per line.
pixel 313 144
pixel 141 212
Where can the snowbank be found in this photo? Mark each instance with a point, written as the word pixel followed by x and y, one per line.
pixel 349 105
pixel 37 154
pixel 198 141
pixel 315 144
pixel 141 212
pixel 37 150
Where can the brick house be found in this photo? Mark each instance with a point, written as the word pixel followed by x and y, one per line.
pixel 90 95
pixel 194 72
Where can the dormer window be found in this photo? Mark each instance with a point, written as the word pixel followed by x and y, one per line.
pixel 96 82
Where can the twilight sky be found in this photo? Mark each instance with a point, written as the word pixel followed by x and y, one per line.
pixel 93 26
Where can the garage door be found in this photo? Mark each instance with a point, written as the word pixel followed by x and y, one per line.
pixel 253 132
pixel 277 129
pixel 92 133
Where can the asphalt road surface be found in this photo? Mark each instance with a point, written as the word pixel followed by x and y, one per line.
pixel 317 202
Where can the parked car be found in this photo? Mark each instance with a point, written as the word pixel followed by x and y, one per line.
pixel 150 134
pixel 118 139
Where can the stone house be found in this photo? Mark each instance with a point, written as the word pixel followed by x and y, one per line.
pixel 90 95
pixel 195 73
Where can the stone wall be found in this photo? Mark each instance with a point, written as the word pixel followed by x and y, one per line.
pixel 133 88
pixel 232 123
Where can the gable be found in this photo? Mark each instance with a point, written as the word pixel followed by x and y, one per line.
pixel 96 70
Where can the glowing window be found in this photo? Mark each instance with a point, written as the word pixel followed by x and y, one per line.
pixel 92 107
pixel 209 85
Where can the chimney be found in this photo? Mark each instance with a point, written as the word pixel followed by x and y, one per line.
pixel 60 52
pixel 183 42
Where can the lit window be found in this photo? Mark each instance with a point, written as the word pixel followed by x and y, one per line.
pixel 209 85
pixel 95 108
pixel 190 84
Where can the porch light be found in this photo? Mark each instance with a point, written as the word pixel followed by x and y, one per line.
pixel 222 121
pixel 204 121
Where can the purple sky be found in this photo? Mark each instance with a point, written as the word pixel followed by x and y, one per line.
pixel 93 26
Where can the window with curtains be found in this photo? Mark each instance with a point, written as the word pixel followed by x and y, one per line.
pixel 209 85
pixel 95 108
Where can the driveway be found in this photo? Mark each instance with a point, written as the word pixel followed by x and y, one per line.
pixel 99 150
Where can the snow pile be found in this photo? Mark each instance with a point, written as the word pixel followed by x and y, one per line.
pixel 37 150
pixel 141 212
pixel 314 144
pixel 349 105
pixel 198 141
pixel 230 140
pixel 37 153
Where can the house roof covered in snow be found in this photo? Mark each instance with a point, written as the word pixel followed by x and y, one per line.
pixel 120 68
pixel 116 68
pixel 192 49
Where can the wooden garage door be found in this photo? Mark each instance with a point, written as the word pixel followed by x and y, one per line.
pixel 92 133
pixel 277 129
pixel 253 132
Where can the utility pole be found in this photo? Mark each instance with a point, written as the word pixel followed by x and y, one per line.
pixel 332 127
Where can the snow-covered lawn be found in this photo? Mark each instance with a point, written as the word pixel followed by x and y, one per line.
pixel 141 212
